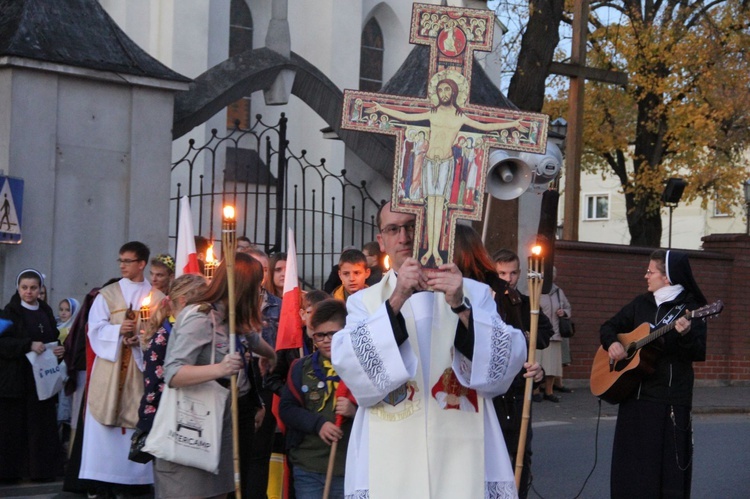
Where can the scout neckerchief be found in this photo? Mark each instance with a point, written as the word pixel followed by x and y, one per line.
pixel 330 378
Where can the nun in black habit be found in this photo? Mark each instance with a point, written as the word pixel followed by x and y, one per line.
pixel 29 443
pixel 652 452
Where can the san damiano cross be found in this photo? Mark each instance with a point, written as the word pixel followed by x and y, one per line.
pixel 443 142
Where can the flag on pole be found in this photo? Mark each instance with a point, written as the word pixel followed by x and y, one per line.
pixel 187 257
pixel 289 334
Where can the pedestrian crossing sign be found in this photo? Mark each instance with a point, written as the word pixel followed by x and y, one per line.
pixel 11 203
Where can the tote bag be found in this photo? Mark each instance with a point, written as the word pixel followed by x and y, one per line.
pixel 188 424
pixel 49 375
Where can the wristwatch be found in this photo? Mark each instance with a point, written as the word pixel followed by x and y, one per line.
pixel 465 305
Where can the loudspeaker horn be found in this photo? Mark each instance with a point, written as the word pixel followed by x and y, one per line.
pixel 508 176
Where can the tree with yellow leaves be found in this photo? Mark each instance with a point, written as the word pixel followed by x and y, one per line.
pixel 684 111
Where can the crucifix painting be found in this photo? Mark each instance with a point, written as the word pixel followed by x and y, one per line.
pixel 443 141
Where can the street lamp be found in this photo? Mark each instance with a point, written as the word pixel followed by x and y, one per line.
pixel 746 186
pixel 671 197
pixel 558 131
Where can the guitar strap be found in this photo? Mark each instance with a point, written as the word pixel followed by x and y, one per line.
pixel 671 315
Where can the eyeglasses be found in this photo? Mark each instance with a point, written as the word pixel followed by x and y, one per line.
pixel 394 230
pixel 126 260
pixel 319 337
pixel 649 272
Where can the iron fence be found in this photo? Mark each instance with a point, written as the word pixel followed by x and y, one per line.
pixel 273 188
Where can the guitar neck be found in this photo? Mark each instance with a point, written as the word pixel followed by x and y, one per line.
pixel 658 332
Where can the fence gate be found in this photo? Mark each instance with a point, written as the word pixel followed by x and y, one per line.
pixel 273 188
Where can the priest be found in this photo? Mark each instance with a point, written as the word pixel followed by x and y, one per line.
pixel 116 383
pixel 424 366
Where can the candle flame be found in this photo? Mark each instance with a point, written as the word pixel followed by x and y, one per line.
pixel 210 254
pixel 146 301
pixel 536 250
pixel 387 262
pixel 229 212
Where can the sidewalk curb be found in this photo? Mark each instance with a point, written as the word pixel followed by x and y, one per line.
pixel 720 410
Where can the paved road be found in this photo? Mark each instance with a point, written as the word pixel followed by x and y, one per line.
pixel 565 452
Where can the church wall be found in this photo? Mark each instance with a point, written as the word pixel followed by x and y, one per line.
pixel 113 178
pixel 333 46
pixel 214 27
pixel 197 35
pixel 189 36
pixel 394 18
pixel 151 156
pixel 31 103
pixel 6 95
pixel 94 157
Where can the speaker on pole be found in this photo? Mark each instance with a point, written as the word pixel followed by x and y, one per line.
pixel 507 175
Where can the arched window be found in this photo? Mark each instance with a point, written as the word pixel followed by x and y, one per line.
pixel 240 40
pixel 371 58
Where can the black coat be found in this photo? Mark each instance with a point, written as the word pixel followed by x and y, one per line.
pixel 672 380
pixel 15 343
pixel 515 309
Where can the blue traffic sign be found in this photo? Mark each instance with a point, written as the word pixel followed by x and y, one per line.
pixel 11 204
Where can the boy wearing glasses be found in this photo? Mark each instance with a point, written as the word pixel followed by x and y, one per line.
pixel 353 272
pixel 309 408
pixel 116 384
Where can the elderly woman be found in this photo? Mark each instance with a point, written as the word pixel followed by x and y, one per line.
pixel 652 452
pixel 554 305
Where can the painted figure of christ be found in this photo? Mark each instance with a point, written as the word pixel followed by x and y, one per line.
pixel 446 121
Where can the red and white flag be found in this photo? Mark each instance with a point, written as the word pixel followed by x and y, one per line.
pixel 289 334
pixel 187 258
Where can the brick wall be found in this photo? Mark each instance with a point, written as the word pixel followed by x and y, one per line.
pixel 599 279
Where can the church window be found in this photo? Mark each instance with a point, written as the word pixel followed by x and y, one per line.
pixel 240 40
pixel 371 58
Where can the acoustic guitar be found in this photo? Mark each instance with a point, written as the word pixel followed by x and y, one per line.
pixel 614 381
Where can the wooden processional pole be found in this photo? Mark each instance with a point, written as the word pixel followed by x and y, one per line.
pixel 536 280
pixel 229 247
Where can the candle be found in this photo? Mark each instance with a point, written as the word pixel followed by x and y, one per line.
pixel 536 262
pixel 228 213
pixel 209 266
pixel 387 262
pixel 229 235
pixel 145 313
